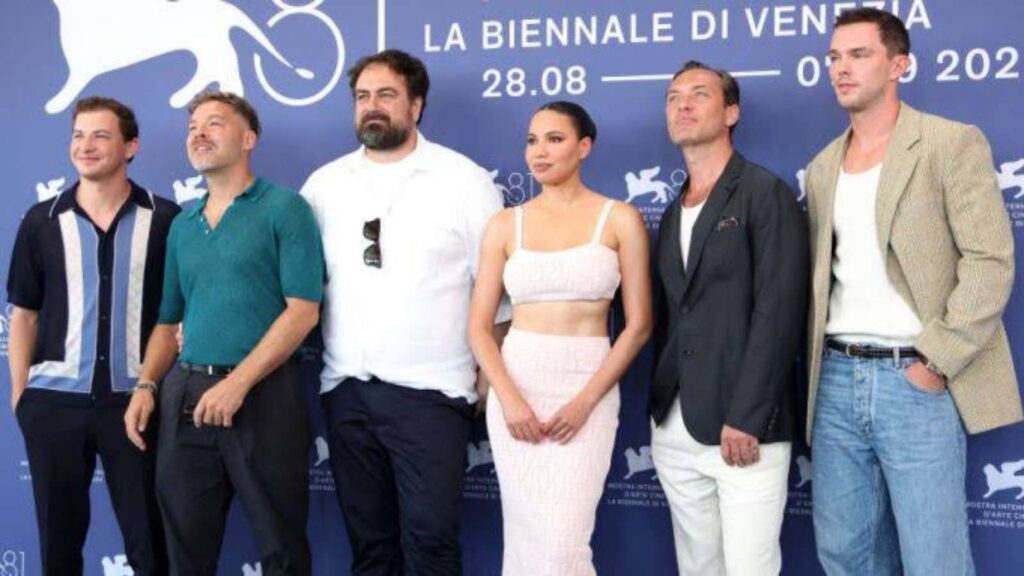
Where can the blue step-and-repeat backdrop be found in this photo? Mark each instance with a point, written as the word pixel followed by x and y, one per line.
pixel 492 62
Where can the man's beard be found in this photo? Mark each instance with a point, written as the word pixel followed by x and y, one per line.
pixel 381 135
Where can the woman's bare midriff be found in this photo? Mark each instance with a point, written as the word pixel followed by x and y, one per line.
pixel 563 318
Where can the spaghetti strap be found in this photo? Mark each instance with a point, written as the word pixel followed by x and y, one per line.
pixel 601 221
pixel 518 210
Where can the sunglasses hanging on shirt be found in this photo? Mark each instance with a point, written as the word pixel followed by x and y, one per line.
pixel 371 231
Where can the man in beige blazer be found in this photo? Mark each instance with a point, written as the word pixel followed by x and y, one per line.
pixel 913 264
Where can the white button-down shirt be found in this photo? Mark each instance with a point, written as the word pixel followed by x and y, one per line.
pixel 405 322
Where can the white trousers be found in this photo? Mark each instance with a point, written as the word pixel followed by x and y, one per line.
pixel 726 520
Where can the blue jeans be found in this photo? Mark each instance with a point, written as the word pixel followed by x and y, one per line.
pixel 889 470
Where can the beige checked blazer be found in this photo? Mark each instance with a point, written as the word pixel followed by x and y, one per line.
pixel 948 249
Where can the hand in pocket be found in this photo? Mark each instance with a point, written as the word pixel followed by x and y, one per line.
pixel 924 379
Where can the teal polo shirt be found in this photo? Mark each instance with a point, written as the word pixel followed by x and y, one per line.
pixel 228 284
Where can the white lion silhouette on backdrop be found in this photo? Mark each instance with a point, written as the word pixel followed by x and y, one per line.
pixel 644 183
pixel 116 566
pixel 101 36
pixel 478 455
pixel 805 469
pixel 323 451
pixel 1010 176
pixel 639 460
pixel 1004 477
pixel 188 190
pixel 50 189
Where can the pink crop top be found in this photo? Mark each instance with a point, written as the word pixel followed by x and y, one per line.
pixel 586 272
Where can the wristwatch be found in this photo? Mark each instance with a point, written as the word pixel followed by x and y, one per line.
pixel 147 385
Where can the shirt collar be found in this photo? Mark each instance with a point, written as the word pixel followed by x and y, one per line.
pixel 67 200
pixel 253 193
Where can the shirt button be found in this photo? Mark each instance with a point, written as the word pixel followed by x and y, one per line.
pixel 687 352
pixel 106 278
pixel 102 358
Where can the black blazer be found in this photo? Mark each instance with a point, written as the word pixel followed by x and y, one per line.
pixel 728 328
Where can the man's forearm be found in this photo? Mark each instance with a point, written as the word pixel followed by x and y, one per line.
pixel 161 351
pixel 280 341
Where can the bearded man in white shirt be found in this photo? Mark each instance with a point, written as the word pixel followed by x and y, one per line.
pixel 402 219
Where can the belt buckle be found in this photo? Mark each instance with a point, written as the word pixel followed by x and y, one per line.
pixel 849 349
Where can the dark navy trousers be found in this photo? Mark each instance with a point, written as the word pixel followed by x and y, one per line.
pixel 62 443
pixel 398 456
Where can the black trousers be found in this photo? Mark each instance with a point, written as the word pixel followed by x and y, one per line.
pixel 62 443
pixel 398 456
pixel 263 458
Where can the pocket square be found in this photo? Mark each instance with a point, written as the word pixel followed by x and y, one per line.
pixel 727 223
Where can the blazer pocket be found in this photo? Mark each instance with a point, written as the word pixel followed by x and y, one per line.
pixel 727 227
pixel 727 223
pixel 726 248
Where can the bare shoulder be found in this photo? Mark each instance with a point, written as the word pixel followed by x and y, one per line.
pixel 532 202
pixel 625 226
pixel 500 232
pixel 501 223
pixel 625 217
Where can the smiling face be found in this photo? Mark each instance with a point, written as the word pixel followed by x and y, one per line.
pixel 98 149
pixel 862 71
pixel 554 151
pixel 385 117
pixel 695 109
pixel 218 138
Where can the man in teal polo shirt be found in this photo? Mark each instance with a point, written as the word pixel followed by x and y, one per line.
pixel 244 275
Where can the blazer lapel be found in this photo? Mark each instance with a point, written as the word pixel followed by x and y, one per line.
pixel 709 215
pixel 822 177
pixel 670 256
pixel 824 189
pixel 897 168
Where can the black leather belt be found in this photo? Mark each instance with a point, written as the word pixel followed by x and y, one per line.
pixel 863 351
pixel 205 369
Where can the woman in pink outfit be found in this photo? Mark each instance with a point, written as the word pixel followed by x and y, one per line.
pixel 555 408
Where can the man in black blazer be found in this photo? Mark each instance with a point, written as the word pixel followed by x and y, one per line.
pixel 731 289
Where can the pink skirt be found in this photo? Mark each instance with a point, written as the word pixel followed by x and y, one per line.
pixel 550 491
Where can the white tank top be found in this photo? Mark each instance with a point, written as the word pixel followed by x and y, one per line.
pixel 864 307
